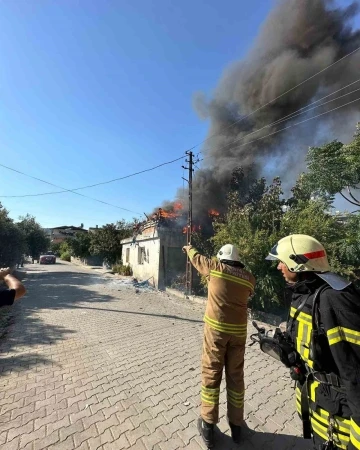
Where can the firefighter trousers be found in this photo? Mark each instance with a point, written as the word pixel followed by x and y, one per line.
pixel 221 351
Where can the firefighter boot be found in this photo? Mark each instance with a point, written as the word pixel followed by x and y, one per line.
pixel 235 433
pixel 207 432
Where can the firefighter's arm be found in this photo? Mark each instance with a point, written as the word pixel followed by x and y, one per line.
pixel 201 263
pixel 343 332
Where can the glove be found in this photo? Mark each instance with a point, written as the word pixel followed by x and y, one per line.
pixel 4 272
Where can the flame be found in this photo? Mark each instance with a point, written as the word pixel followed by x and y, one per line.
pixel 167 214
pixel 177 206
pixel 194 229
pixel 213 212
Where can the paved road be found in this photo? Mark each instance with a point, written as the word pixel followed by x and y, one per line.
pixel 89 363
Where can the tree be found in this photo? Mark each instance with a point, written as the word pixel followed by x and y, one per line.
pixel 80 245
pixel 12 240
pixel 254 228
pixel 335 167
pixel 35 237
pixel 106 241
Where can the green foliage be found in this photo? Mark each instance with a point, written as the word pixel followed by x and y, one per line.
pixel 254 228
pixel 79 246
pixel 12 240
pixel 64 247
pixel 106 241
pixel 334 167
pixel 258 216
pixel 65 256
pixel 122 269
pixel 35 238
pixel 55 248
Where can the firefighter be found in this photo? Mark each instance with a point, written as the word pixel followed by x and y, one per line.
pixel 324 328
pixel 229 288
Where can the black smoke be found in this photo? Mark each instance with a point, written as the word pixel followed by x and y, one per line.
pixel 298 39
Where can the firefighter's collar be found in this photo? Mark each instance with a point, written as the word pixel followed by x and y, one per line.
pixel 305 286
pixel 334 280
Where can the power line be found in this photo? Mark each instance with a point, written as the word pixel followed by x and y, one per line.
pixel 276 98
pixel 290 126
pixel 68 190
pixel 292 115
pixel 205 140
pixel 84 187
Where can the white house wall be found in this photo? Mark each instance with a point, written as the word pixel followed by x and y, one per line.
pixel 149 270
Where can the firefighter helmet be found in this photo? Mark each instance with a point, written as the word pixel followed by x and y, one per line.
pixel 300 253
pixel 228 252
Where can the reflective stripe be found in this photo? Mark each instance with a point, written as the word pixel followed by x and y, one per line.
pixel 312 391
pixel 340 440
pixel 235 398
pixel 214 391
pixel 302 317
pixel 228 328
pixel 303 335
pixel 342 425
pixel 338 334
pixel 233 326
pixel 355 434
pixel 192 252
pixel 235 394
pixel 210 396
pixel 228 277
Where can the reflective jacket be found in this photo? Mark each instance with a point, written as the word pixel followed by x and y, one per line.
pixel 339 321
pixel 229 289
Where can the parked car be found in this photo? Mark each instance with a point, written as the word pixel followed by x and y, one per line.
pixel 47 258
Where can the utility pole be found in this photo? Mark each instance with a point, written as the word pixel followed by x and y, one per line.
pixel 189 270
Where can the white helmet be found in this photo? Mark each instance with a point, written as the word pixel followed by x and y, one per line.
pixel 228 252
pixel 302 253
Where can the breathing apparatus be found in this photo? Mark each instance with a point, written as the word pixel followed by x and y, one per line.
pixel 276 344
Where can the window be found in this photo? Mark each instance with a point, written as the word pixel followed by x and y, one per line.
pixel 127 259
pixel 141 255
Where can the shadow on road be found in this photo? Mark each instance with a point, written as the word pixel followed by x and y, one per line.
pixel 252 440
pixel 22 327
pixel 165 316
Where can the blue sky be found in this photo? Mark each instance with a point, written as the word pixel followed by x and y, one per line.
pixel 93 90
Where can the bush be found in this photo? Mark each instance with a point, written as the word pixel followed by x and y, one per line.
pixel 65 256
pixel 122 269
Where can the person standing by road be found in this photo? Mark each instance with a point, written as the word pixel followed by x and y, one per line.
pixel 14 288
pixel 324 330
pixel 225 330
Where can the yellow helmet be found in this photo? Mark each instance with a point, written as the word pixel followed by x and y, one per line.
pixel 300 253
pixel 303 253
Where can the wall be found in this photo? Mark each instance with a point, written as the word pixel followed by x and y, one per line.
pixel 164 258
pixel 149 270
pixel 90 261
pixel 172 259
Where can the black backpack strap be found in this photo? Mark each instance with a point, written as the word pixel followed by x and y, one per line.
pixel 291 320
pixel 315 306
pixel 305 408
pixel 305 403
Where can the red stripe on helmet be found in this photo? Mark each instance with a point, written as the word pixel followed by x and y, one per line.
pixel 315 255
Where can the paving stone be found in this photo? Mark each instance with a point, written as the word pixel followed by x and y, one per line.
pixel 96 366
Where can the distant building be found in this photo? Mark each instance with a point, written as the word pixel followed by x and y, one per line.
pixel 59 234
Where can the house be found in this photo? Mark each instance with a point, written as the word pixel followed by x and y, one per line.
pixel 59 234
pixel 154 253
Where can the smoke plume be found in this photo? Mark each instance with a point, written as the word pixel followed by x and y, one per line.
pixel 298 39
